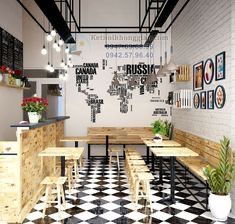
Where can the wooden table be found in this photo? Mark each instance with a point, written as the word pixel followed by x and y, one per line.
pixel 172 152
pixel 75 139
pixel 107 134
pixel 165 143
pixel 62 152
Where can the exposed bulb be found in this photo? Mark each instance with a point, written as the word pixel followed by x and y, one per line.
pixel 55 45
pixel 49 38
pixel 65 76
pixel 62 64
pixel 66 50
pixel 58 49
pixel 61 76
pixel 65 66
pixel 69 56
pixel 53 33
pixel 61 42
pixel 52 68
pixel 48 66
pixel 44 50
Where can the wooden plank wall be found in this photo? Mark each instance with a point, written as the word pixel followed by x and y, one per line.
pixel 207 149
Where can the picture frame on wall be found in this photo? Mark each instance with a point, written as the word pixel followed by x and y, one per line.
pixel 203 99
pixel 196 101
pixel 220 96
pixel 210 99
pixel 220 66
pixel 208 73
pixel 198 76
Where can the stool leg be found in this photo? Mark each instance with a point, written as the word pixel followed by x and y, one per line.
pixel 148 194
pixel 137 192
pixel 110 159
pixel 46 201
pixel 62 194
pixel 69 178
pixel 118 161
pixel 58 197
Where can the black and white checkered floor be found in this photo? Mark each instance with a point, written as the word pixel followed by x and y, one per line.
pixel 102 196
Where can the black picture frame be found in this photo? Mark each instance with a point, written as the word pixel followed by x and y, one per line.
pixel 210 98
pixel 220 66
pixel 203 96
pixel 222 90
pixel 198 81
pixel 196 96
pixel 205 72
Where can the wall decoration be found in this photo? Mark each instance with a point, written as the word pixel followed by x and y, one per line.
pixel 220 66
pixel 160 112
pixel 198 76
pixel 208 71
pixel 203 99
pixel 210 99
pixel 196 101
pixel 220 96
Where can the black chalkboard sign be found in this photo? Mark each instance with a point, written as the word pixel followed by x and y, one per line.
pixel 7 45
pixel 18 55
pixel 11 51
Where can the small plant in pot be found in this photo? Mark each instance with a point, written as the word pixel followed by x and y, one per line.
pixel 34 106
pixel 159 128
pixel 220 180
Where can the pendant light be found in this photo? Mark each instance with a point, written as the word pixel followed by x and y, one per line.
pixel 165 71
pixel 44 50
pixel 52 67
pixel 60 42
pixel 172 65
pixel 159 73
pixel 152 76
pixel 53 33
pixel 55 44
pixel 49 37
pixel 66 50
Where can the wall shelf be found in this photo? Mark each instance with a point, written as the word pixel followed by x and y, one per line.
pixel 13 86
pixel 182 74
pixel 182 99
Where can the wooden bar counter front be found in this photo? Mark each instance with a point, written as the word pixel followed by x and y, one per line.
pixel 20 167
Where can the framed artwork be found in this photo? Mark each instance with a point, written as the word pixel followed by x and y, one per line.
pixel 203 99
pixel 196 101
pixel 210 99
pixel 220 97
pixel 208 71
pixel 220 66
pixel 198 76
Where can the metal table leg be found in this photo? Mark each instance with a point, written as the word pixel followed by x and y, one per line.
pixel 172 179
pixel 62 160
pixel 76 144
pixel 107 147
pixel 160 170
pixel 153 169
pixel 147 154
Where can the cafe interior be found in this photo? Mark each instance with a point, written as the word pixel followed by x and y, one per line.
pixel 117 111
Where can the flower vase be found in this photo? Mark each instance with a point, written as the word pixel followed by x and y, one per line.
pixel 5 78
pixel 11 80
pixel 18 82
pixel 33 117
pixel 1 78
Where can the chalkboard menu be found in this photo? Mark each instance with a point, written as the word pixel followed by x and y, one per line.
pixel 11 51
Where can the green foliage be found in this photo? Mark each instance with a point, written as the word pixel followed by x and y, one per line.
pixel 220 178
pixel 159 127
pixel 168 128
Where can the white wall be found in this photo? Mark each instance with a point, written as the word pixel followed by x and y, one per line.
pixel 10 99
pixel 200 32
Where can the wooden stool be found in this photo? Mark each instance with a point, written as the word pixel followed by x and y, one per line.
pixel 142 188
pixel 111 151
pixel 49 182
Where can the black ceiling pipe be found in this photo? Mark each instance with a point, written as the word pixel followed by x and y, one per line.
pixel 165 13
pixel 151 38
pixel 51 11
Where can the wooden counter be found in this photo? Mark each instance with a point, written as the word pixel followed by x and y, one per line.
pixel 20 168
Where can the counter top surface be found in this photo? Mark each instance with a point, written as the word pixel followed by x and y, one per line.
pixel 40 124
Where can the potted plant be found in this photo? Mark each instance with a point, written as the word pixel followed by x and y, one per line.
pixel 34 106
pixel 17 77
pixel 159 129
pixel 4 75
pixel 11 79
pixel 220 181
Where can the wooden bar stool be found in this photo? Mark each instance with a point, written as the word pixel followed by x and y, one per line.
pixel 142 188
pixel 115 151
pixel 50 182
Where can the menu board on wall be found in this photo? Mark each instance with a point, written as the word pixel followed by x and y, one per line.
pixel 18 55
pixel 11 51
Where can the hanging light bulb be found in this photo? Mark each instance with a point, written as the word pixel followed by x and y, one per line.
pixel 65 66
pixel 65 76
pixel 61 42
pixel 44 50
pixel 62 64
pixel 69 56
pixel 53 33
pixel 52 69
pixel 58 49
pixel 66 50
pixel 55 44
pixel 48 66
pixel 49 38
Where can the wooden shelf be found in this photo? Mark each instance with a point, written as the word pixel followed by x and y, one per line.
pixel 13 86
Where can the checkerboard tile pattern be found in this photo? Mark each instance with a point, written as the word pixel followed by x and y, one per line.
pixel 101 195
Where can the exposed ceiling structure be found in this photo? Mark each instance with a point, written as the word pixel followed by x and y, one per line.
pixel 152 14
